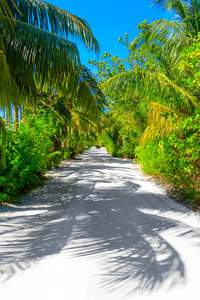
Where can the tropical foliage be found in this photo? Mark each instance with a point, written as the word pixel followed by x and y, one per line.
pixel 154 93
pixel 43 81
pixel 35 149
pixel 176 157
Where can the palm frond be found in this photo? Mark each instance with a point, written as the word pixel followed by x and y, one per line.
pixel 172 88
pixel 6 11
pixel 168 38
pixel 161 121
pixel 7 86
pixel 158 32
pixel 89 94
pixel 58 108
pixel 115 83
pixel 53 19
pixel 81 93
pixel 186 12
pixel 164 30
pixel 169 4
pixel 54 61
pixel 149 85
pixel 84 93
pixel 78 117
pixel 30 50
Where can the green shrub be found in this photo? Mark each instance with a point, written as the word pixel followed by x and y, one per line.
pixel 28 155
pixel 106 140
pixel 177 157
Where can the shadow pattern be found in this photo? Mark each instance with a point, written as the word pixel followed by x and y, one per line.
pixel 94 207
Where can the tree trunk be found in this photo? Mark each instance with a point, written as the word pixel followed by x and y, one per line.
pixel 16 119
pixel 66 138
pixel 34 110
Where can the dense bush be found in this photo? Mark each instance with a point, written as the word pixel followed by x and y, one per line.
pixel 35 149
pixel 76 144
pixel 108 141
pixel 177 157
pixel 28 155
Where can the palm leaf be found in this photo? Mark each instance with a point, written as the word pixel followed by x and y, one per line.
pixel 169 38
pixel 83 92
pixel 58 107
pixel 32 50
pixel 53 19
pixel 6 11
pixel 89 94
pixel 78 117
pixel 161 121
pixel 7 86
pixel 185 11
pixel 150 85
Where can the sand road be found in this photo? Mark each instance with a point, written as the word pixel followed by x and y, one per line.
pixel 99 230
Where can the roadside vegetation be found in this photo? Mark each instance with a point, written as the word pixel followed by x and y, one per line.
pixel 50 103
pixel 154 113
pixel 146 106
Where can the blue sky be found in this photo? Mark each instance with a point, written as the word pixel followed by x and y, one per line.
pixel 111 19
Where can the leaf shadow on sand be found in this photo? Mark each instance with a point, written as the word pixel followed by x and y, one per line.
pixel 107 216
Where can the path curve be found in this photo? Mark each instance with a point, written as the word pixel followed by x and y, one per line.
pixel 99 230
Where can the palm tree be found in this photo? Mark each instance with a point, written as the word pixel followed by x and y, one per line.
pixel 165 40
pixel 36 54
pixel 82 102
pixel 36 42
pixel 186 12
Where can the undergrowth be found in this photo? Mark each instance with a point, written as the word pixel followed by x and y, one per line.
pixel 177 158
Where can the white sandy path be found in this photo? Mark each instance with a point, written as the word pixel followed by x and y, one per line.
pixel 99 230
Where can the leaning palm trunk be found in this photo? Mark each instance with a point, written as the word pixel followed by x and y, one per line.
pixel 3 148
pixel 66 138
pixel 16 118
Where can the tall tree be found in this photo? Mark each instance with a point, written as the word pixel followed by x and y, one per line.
pixel 161 84
pixel 186 12
pixel 34 40
pixel 36 55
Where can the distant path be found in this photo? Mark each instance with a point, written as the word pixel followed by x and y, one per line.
pixel 99 230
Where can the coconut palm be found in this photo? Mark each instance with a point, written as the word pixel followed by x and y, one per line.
pixel 162 84
pixel 36 42
pixel 174 35
pixel 186 12
pixel 82 102
pixel 36 54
